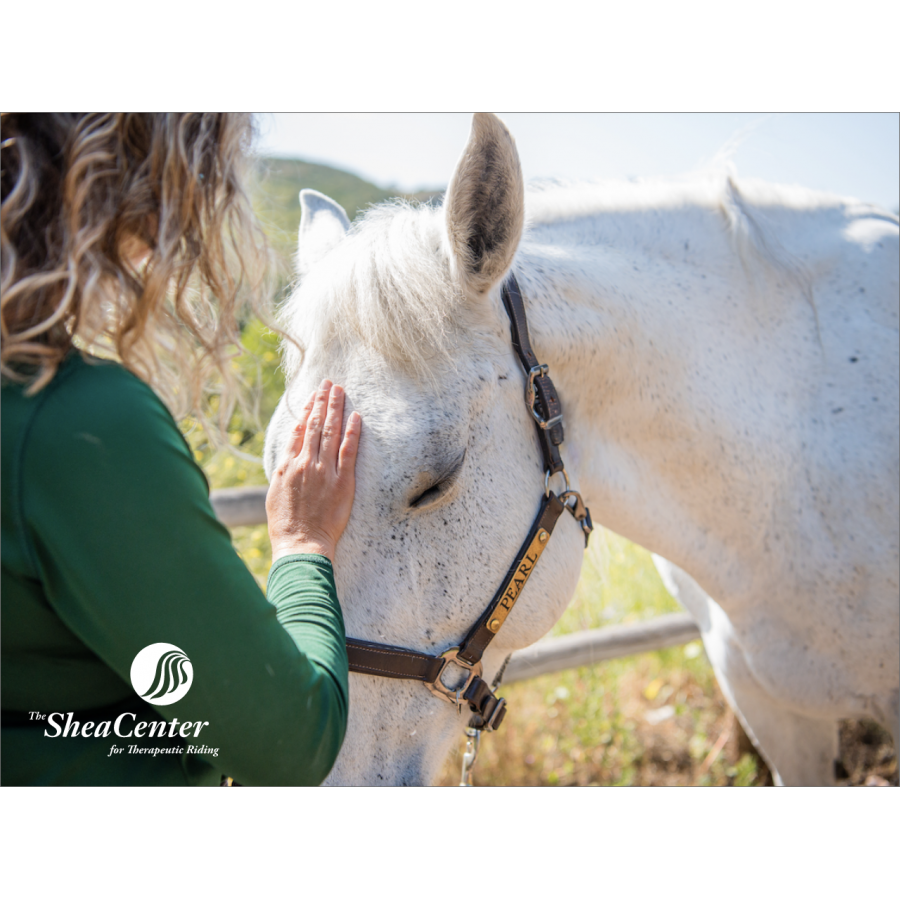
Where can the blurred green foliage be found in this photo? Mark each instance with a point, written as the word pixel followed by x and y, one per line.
pixel 239 463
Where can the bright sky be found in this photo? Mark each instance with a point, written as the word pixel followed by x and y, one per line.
pixel 854 154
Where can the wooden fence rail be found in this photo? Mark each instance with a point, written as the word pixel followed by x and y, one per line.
pixel 247 506
pixel 584 648
pixel 240 506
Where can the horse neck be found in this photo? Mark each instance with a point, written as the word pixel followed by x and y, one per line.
pixel 648 349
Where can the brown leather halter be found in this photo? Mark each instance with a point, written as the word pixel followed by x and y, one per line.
pixel 395 662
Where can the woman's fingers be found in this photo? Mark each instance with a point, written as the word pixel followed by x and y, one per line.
pixel 350 444
pixel 313 434
pixel 308 504
pixel 295 444
pixel 318 431
pixel 331 430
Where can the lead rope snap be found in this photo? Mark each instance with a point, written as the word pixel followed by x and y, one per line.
pixel 473 739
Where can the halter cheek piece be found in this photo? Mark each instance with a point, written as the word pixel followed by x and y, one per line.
pixel 395 662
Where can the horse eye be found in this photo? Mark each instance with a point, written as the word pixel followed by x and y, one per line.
pixel 440 487
pixel 430 495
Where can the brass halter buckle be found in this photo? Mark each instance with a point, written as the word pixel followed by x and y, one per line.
pixel 455 696
pixel 531 398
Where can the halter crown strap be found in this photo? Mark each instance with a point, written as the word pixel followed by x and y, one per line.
pixel 544 399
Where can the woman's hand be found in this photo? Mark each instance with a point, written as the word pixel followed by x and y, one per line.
pixel 311 493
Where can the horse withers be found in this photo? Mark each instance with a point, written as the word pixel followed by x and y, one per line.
pixel 727 361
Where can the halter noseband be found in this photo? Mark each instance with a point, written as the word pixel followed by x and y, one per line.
pixel 395 662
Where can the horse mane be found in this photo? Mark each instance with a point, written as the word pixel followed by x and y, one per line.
pixel 389 285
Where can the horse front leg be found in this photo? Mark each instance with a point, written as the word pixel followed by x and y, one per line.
pixel 798 749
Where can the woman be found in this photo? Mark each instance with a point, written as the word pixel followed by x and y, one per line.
pixel 117 233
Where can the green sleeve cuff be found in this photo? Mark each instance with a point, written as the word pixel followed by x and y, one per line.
pixel 316 558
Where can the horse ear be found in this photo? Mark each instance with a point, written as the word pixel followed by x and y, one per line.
pixel 322 225
pixel 485 206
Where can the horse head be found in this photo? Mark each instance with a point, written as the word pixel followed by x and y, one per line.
pixel 403 309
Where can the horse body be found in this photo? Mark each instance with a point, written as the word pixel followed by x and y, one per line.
pixel 746 431
pixel 727 362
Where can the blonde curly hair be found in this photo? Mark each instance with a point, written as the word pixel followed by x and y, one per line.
pixel 130 235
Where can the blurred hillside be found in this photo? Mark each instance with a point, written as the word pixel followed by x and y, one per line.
pixel 277 185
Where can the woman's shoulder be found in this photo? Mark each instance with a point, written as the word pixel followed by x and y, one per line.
pixel 97 402
pixel 80 375
pixel 84 376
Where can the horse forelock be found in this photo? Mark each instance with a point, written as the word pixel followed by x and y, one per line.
pixel 387 286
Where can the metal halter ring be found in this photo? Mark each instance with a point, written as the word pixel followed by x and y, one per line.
pixel 577 507
pixel 581 513
pixel 439 689
pixel 531 397
pixel 564 474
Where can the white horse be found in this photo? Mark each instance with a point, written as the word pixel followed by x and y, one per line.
pixel 727 360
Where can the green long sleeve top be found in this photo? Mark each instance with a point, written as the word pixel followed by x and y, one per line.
pixel 109 545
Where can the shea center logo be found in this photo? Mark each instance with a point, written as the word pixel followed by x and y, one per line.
pixel 161 674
